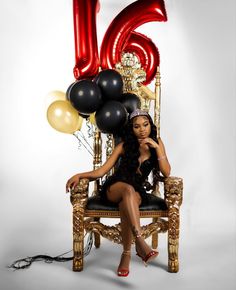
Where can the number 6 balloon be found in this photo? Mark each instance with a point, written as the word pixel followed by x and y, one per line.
pixel 147 52
pixel 120 31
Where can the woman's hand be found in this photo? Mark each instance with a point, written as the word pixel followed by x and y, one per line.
pixel 72 182
pixel 148 141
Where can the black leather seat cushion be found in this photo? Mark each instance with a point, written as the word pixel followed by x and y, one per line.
pixel 152 203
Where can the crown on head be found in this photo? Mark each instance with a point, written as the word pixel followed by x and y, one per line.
pixel 138 112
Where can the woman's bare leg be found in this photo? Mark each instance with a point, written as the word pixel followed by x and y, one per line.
pixel 127 237
pixel 125 195
pixel 129 201
pixel 126 232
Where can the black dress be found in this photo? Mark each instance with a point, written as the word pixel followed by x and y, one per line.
pixel 137 180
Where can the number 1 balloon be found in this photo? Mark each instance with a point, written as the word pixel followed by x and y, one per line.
pixel 85 35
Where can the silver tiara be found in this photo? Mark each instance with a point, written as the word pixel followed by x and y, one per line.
pixel 138 112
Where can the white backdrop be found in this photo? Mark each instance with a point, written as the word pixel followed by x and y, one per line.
pixel 197 50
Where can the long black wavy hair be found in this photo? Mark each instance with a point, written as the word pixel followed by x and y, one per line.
pixel 130 163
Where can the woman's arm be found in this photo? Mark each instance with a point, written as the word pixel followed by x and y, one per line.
pixel 164 164
pixel 97 173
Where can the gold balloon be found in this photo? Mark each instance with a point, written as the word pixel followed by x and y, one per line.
pixel 92 119
pixel 80 122
pixel 63 117
pixel 54 96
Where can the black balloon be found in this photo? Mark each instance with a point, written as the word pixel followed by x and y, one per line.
pixel 68 90
pixel 131 102
pixel 85 116
pixel 111 84
pixel 85 96
pixel 111 117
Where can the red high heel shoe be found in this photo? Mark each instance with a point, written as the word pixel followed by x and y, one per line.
pixel 122 272
pixel 150 256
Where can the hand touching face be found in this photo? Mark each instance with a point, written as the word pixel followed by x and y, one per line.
pixel 148 142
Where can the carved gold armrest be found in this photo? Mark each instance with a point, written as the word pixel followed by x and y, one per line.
pixel 80 193
pixel 173 191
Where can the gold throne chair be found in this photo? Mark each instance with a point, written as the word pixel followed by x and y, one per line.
pixel 164 211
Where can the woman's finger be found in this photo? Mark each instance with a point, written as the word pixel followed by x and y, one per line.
pixel 75 184
pixel 68 185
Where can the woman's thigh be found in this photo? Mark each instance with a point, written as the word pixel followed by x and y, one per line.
pixel 118 190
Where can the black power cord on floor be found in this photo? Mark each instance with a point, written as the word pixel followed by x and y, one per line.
pixel 26 262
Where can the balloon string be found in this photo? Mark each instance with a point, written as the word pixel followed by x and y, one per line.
pixel 90 128
pixel 80 142
pixel 77 137
pixel 82 135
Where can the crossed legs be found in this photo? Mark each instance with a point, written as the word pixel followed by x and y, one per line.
pixel 129 201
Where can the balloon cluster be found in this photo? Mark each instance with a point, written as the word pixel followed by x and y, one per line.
pixel 101 100
pixel 103 96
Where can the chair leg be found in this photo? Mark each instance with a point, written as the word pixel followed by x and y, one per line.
pixel 173 241
pixel 154 236
pixel 78 240
pixel 173 192
pixel 97 239
pixel 79 198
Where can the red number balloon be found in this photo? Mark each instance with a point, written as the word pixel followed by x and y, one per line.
pixel 85 35
pixel 119 31
pixel 147 52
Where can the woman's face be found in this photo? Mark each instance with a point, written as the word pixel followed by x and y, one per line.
pixel 141 127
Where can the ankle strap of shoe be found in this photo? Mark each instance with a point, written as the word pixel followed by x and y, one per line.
pixel 136 233
pixel 126 253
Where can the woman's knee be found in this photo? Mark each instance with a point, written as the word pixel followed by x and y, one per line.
pixel 129 192
pixel 118 191
pixel 123 191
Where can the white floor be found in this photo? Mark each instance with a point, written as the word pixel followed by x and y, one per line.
pixel 207 261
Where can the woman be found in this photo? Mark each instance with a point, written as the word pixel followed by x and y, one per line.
pixel 139 154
